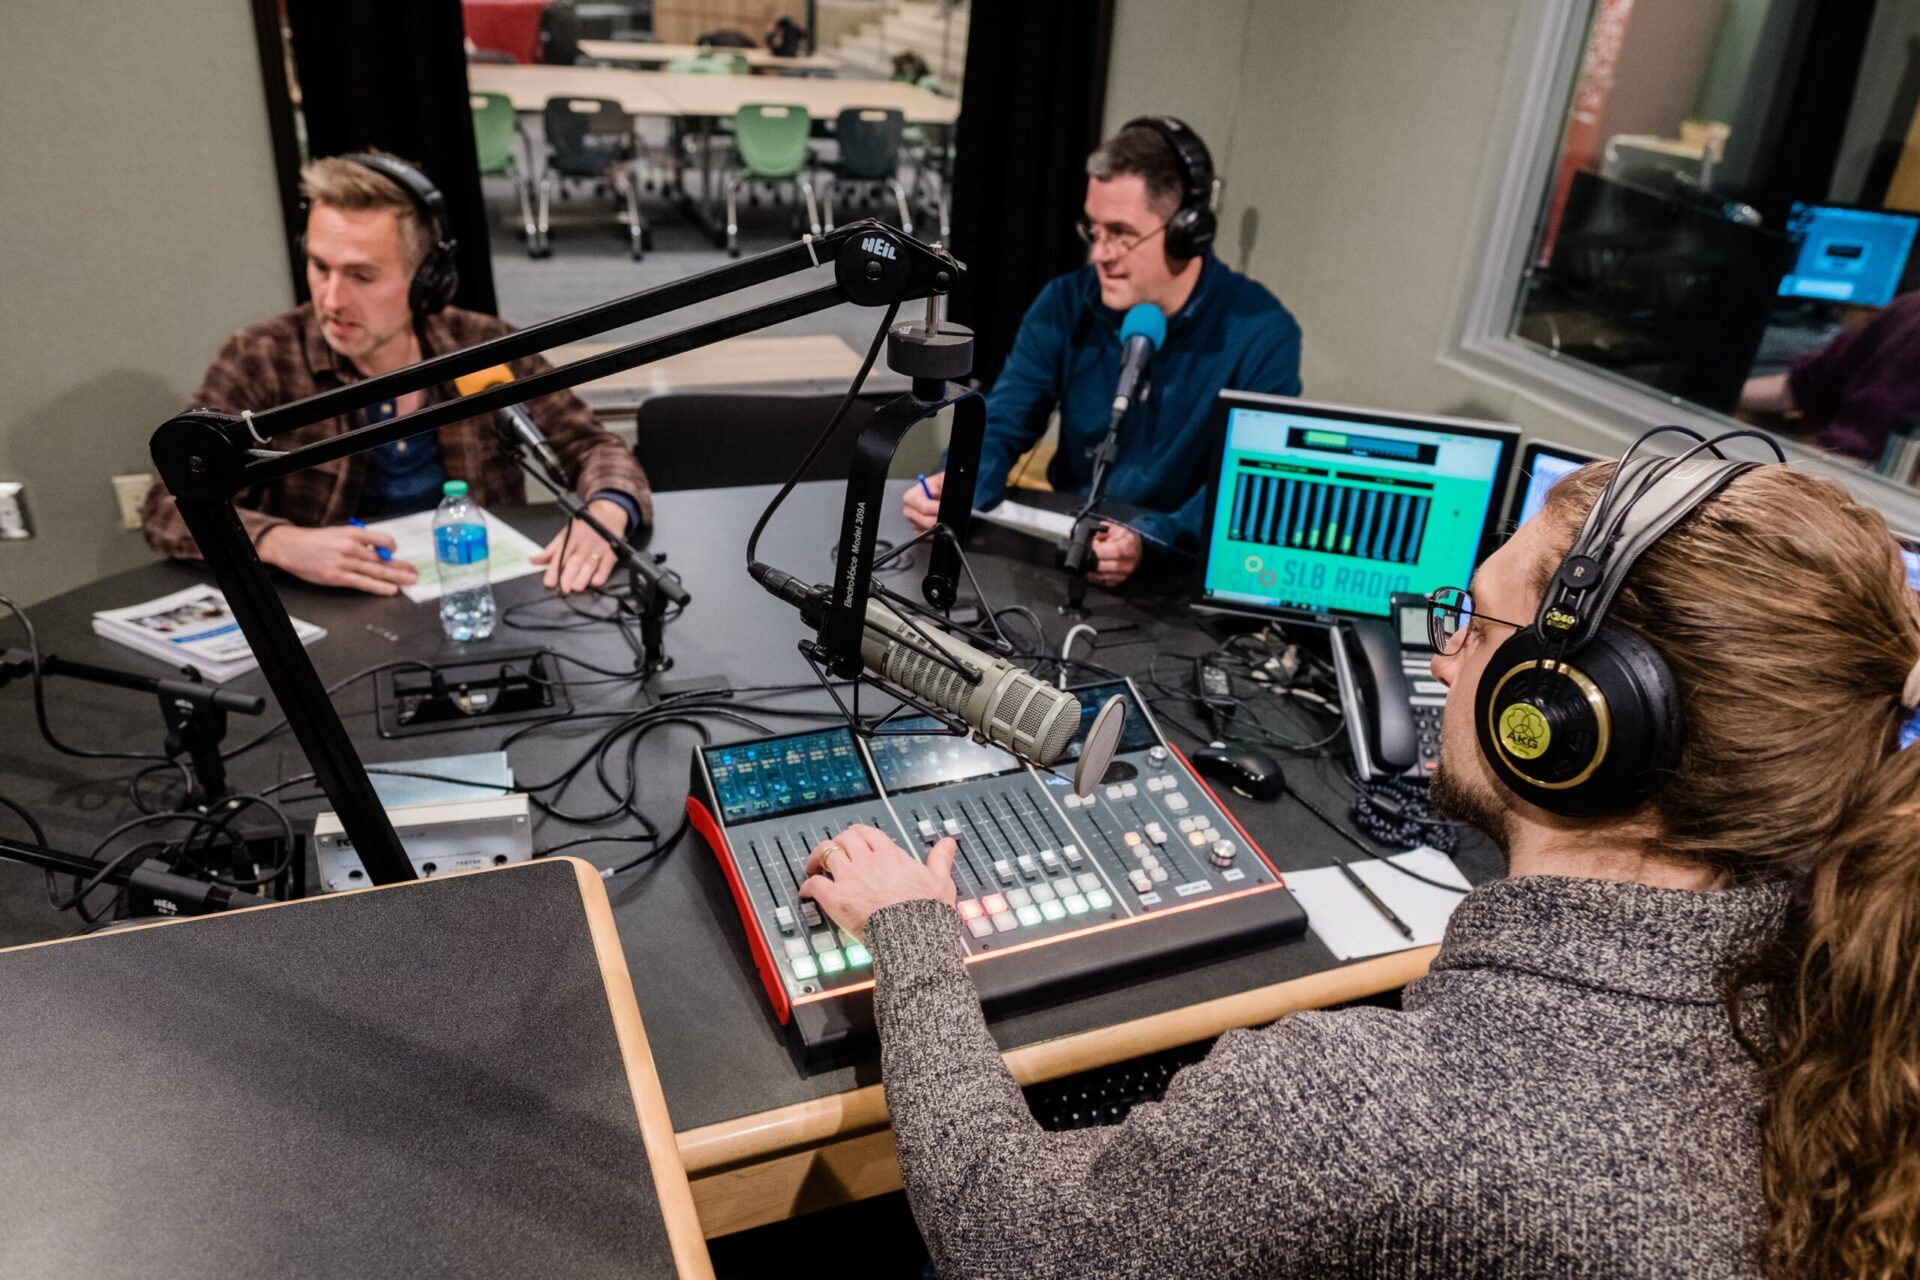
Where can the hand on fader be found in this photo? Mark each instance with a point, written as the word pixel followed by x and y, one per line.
pixel 860 871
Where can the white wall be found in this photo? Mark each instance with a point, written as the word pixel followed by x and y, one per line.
pixel 139 226
pixel 1353 136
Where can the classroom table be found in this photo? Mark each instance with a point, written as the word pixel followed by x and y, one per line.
pixel 644 53
pixel 763 1135
pixel 662 93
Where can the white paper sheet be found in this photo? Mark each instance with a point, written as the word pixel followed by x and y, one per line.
pixel 1029 519
pixel 1351 927
pixel 509 551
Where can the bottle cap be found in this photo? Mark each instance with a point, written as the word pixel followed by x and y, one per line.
pixel 454 489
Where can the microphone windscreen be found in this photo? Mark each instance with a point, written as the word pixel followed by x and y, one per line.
pixel 468 383
pixel 1144 320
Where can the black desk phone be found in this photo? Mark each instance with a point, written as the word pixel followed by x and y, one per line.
pixel 1393 703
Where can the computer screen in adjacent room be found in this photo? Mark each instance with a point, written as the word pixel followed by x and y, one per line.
pixel 1323 509
pixel 1542 463
pixel 1856 256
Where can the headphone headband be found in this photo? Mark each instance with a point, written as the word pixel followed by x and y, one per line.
pixel 1196 162
pixel 437 277
pixel 1190 232
pixel 426 197
pixel 1661 494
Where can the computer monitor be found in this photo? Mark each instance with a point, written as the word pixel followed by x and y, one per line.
pixel 1856 256
pixel 1319 509
pixel 1542 463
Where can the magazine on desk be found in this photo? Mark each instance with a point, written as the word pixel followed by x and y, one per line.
pixel 193 627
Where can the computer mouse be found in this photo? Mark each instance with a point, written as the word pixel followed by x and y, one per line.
pixel 1254 774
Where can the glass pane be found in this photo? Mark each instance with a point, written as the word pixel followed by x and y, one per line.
pixel 1731 221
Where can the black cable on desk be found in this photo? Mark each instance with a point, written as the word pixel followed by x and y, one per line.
pixel 26 816
pixel 1345 833
pixel 40 701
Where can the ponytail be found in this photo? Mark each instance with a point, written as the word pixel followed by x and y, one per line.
pixel 1840 1160
pixel 1782 608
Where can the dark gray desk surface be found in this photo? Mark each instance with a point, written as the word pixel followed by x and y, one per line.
pixel 719 1051
pixel 421 1081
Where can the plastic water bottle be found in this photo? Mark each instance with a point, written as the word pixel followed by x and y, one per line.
pixel 460 554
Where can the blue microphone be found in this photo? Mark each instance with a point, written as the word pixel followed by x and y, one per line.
pixel 1141 334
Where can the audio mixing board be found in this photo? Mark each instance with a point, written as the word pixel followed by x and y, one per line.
pixel 1054 891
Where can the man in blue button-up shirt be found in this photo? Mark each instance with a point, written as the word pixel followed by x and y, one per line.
pixel 1223 331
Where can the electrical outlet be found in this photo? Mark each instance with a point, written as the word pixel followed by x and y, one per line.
pixel 13 511
pixel 130 492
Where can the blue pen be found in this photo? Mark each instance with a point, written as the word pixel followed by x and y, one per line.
pixel 382 552
pixel 923 487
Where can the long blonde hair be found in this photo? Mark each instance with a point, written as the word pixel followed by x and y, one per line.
pixel 1782 608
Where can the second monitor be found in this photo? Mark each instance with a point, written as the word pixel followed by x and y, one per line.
pixel 1325 509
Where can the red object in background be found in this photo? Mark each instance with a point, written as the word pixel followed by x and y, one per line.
pixel 1590 94
pixel 505 26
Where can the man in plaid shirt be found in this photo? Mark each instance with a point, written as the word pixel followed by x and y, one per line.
pixel 365 237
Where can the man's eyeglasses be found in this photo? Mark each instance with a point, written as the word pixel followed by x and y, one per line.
pixel 1093 233
pixel 1447 612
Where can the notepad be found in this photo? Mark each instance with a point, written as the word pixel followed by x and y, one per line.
pixel 509 551
pixel 1350 926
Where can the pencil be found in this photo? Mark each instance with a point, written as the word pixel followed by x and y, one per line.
pixel 1367 893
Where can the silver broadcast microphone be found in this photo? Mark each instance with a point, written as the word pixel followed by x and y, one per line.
pixel 1008 708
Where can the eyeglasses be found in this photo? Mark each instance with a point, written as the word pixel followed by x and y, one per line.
pixel 1094 234
pixel 1447 612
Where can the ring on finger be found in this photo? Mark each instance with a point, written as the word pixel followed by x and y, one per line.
pixel 827 851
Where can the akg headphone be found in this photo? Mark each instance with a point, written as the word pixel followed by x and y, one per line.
pixel 1576 716
pixel 1190 232
pixel 437 276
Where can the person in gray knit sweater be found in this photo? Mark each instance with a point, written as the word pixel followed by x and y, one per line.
pixel 1682 1042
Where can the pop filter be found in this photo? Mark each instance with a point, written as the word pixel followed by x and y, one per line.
pixel 1103 739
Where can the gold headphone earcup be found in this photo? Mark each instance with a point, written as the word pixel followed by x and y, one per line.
pixel 1593 735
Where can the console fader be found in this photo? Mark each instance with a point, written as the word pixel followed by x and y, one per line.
pixel 1053 890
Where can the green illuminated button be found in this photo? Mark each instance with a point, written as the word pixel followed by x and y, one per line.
pixel 1029 916
pixel 804 968
pixel 831 961
pixel 1100 899
pixel 1076 905
pixel 858 957
pixel 1052 909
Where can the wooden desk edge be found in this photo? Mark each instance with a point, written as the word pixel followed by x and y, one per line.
pixel 714 1148
pixel 684 1234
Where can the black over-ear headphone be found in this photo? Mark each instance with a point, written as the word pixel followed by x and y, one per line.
pixel 437 276
pixel 1190 231
pixel 1576 716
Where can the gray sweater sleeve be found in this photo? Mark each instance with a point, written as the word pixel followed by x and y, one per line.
pixel 1237 1172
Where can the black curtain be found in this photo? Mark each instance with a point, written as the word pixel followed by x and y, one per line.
pixel 376 73
pixel 1036 85
pixel 1801 163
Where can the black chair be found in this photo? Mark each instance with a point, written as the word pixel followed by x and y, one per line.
pixel 590 138
pixel 869 139
pixel 713 440
pixel 560 34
